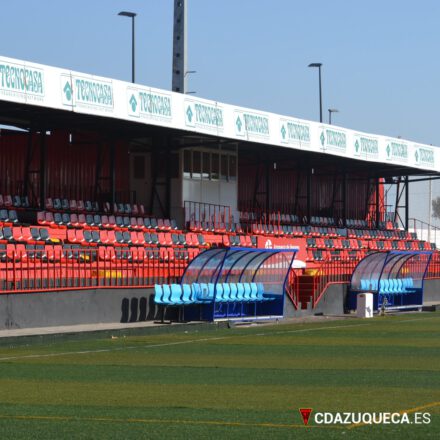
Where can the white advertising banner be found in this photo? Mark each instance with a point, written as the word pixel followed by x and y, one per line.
pixel 35 84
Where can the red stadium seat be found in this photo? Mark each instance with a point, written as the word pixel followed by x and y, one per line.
pixel 58 254
pixel 171 254
pixel 354 244
pixel 134 252
pixel 320 243
pixel 79 235
pixel 71 236
pixel 162 240
pixel 225 240
pixel 140 224
pixel 134 238
pixel 168 239
pixel 112 221
pixel 104 221
pixel 81 221
pixel 72 205
pixel 26 234
pixel 80 205
pixel 74 220
pixel 140 238
pixel 337 242
pixel 102 253
pixel 243 241
pixel 163 254
pixel 104 237
pixel 372 245
pixel 111 238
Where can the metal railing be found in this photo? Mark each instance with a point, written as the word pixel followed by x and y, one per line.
pixel 207 212
pixel 424 230
pixel 331 272
pixel 292 287
pixel 433 271
pixel 88 268
pixel 339 272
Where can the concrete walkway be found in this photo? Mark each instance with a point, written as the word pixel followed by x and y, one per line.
pixel 133 326
pixel 82 328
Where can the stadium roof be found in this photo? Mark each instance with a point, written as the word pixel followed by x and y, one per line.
pixel 46 97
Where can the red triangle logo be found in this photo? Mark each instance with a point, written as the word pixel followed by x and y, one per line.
pixel 305 414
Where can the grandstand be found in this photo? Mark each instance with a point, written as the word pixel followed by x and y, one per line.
pixel 109 187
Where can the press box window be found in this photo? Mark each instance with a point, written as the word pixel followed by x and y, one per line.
pixel 187 163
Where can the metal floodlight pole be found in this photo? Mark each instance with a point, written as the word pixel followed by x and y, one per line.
pixel 330 111
pixel 131 15
pixel 318 65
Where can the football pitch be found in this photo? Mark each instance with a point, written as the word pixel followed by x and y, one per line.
pixel 226 383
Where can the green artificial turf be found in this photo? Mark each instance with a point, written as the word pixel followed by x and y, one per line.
pixel 239 383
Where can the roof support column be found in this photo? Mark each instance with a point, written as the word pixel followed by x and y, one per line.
pixel 43 157
pixel 112 174
pixel 406 203
pixel 168 179
pixel 309 192
pixel 268 198
pixel 377 219
pixel 344 198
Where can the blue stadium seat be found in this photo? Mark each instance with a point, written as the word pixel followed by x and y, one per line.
pixel 186 294
pixel 219 292
pixel 158 294
pixel 226 292
pixel 409 285
pixel 393 286
pixel 247 292
pixel 233 292
pixel 384 286
pixel 176 295
pixel 254 292
pixel 195 293
pixel 240 292
pixel 205 293
pixel 211 291
pixel 166 294
pixel 260 293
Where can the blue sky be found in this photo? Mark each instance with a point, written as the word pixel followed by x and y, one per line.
pixel 380 58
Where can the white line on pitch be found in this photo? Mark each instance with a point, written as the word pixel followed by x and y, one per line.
pixel 168 344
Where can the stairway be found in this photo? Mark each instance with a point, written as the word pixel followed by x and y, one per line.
pixel 305 290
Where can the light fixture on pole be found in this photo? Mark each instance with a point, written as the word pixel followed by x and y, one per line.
pixel 330 111
pixel 318 65
pixel 188 72
pixel 130 15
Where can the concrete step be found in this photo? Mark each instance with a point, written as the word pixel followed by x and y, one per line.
pixel 431 308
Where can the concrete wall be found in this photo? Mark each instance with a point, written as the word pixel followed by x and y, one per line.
pixel 333 300
pixel 29 310
pixel 78 307
pixel 331 303
pixel 431 291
